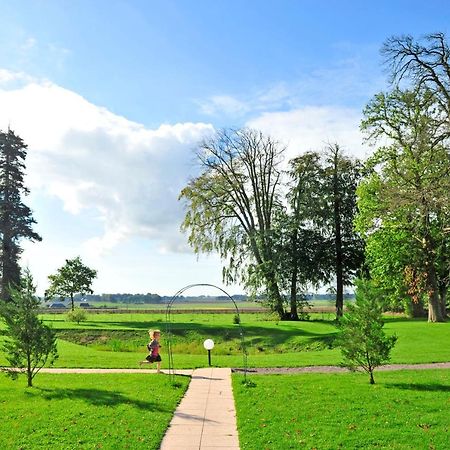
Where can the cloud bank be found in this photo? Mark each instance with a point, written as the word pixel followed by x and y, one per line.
pixel 92 159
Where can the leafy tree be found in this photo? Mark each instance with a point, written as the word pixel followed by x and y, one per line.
pixel 73 278
pixel 231 207
pixel 409 185
pixel 16 220
pixel 335 216
pixel 303 257
pixel 362 340
pixel 30 344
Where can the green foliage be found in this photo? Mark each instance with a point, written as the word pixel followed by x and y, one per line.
pixel 236 319
pixel 404 410
pixel 363 341
pixel 403 202
pixel 88 411
pixel 73 278
pixel 30 344
pixel 315 237
pixel 77 315
pixel 16 220
pixel 231 204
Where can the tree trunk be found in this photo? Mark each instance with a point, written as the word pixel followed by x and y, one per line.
pixel 293 305
pixel 294 310
pixel 71 299
pixel 434 304
pixel 274 292
pixel 372 381
pixel 29 373
pixel 338 248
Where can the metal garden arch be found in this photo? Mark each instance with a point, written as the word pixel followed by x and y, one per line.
pixel 169 325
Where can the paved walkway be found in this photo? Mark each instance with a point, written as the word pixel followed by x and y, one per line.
pixel 206 417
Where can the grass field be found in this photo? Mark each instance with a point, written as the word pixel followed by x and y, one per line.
pixel 118 340
pixel 106 411
pixel 404 410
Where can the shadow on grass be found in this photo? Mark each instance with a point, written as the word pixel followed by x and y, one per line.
pixel 98 397
pixel 423 387
pixel 254 335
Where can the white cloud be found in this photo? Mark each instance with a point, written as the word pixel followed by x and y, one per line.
pixel 92 159
pixel 312 127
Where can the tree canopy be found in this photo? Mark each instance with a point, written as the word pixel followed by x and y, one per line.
pixel 72 278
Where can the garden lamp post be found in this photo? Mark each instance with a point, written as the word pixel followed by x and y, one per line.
pixel 209 345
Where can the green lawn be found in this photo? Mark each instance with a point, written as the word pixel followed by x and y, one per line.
pixel 404 410
pixel 106 411
pixel 118 340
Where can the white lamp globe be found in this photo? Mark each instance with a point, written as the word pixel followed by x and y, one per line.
pixel 208 344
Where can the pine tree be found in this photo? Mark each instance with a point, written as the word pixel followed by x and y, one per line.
pixel 16 219
pixel 364 344
pixel 29 343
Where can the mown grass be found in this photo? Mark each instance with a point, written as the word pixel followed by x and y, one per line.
pixel 404 410
pixel 71 411
pixel 118 340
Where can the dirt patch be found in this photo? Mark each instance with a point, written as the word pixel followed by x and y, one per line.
pixel 336 369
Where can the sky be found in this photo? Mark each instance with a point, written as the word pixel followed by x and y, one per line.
pixel 112 97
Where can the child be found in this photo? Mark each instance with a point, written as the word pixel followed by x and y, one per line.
pixel 153 347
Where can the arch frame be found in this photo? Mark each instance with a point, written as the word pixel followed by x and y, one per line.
pixel 169 326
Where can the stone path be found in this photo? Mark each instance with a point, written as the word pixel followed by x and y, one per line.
pixel 206 417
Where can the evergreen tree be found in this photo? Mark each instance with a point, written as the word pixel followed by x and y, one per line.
pixel 29 343
pixel 364 344
pixel 16 220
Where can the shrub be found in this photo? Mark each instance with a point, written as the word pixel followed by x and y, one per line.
pixel 77 315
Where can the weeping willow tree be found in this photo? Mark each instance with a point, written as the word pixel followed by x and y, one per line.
pixel 231 207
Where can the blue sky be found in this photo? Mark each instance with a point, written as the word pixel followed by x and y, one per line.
pixel 112 96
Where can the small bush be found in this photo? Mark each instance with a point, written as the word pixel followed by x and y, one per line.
pixel 77 315
pixel 236 319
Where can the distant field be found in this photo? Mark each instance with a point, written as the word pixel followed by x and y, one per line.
pixel 87 411
pixel 177 305
pixel 118 340
pixel 404 410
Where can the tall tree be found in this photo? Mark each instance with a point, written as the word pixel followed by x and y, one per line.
pixel 29 343
pixel 303 254
pixel 16 220
pixel 72 278
pixel 231 207
pixel 411 183
pixel 334 216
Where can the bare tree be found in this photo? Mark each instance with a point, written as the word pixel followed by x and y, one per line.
pixel 423 62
